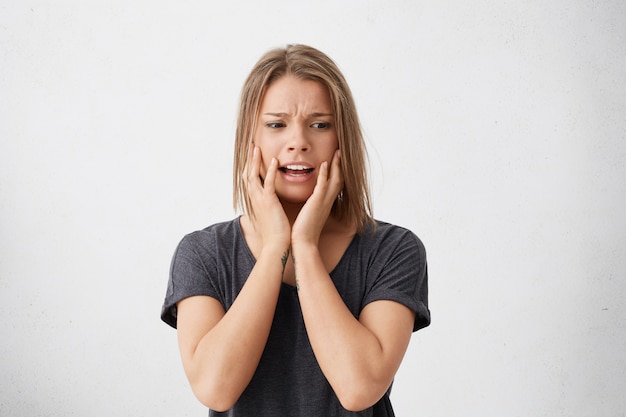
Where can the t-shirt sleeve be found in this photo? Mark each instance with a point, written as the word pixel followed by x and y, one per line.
pixel 191 270
pixel 402 276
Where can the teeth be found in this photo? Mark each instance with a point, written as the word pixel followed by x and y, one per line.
pixel 296 167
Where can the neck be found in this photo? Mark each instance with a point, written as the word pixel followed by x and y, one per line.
pixel 292 210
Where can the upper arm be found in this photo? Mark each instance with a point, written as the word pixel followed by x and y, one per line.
pixel 392 325
pixel 197 315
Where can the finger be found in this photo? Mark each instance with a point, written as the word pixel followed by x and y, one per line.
pixel 321 189
pixel 270 177
pixel 336 173
pixel 322 177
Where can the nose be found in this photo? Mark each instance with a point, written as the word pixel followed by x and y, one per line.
pixel 298 140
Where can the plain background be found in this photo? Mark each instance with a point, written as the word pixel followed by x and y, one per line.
pixel 496 132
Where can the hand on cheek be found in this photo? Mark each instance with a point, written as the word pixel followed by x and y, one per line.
pixel 269 216
pixel 336 174
pixel 314 214
pixel 332 176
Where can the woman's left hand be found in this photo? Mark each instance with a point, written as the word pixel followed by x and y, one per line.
pixel 311 220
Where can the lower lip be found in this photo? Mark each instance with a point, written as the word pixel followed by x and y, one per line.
pixel 297 178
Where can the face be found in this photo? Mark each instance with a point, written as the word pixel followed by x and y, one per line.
pixel 296 125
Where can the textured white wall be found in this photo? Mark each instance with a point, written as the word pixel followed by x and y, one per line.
pixel 497 132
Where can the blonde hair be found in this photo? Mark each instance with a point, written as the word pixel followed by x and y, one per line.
pixel 304 62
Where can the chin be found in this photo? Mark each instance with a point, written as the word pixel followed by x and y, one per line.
pixel 294 198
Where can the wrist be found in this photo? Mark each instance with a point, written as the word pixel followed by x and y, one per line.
pixel 274 250
pixel 301 247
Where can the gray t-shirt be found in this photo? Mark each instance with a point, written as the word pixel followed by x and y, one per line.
pixel 388 264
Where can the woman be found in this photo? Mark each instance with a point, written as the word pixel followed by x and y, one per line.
pixel 304 305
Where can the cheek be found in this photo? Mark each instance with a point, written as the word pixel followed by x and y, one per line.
pixel 266 158
pixel 262 169
pixel 265 163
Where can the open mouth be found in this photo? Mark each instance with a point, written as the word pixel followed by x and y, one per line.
pixel 296 170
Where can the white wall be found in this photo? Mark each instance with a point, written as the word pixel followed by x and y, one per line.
pixel 496 130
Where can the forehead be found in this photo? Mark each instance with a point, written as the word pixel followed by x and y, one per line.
pixel 290 94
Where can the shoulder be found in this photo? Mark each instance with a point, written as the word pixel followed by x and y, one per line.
pixel 384 244
pixel 209 242
pixel 391 235
pixel 223 231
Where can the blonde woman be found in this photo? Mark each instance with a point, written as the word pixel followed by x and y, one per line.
pixel 304 304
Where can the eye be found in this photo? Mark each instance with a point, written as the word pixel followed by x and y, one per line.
pixel 274 125
pixel 321 125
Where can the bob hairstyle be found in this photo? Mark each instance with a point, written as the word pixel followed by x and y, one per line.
pixel 307 63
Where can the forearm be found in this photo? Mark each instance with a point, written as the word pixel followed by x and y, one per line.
pixel 349 354
pixel 224 360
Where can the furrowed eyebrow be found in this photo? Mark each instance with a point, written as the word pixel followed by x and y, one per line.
pixel 276 114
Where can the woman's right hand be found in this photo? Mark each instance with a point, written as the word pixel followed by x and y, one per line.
pixel 268 215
